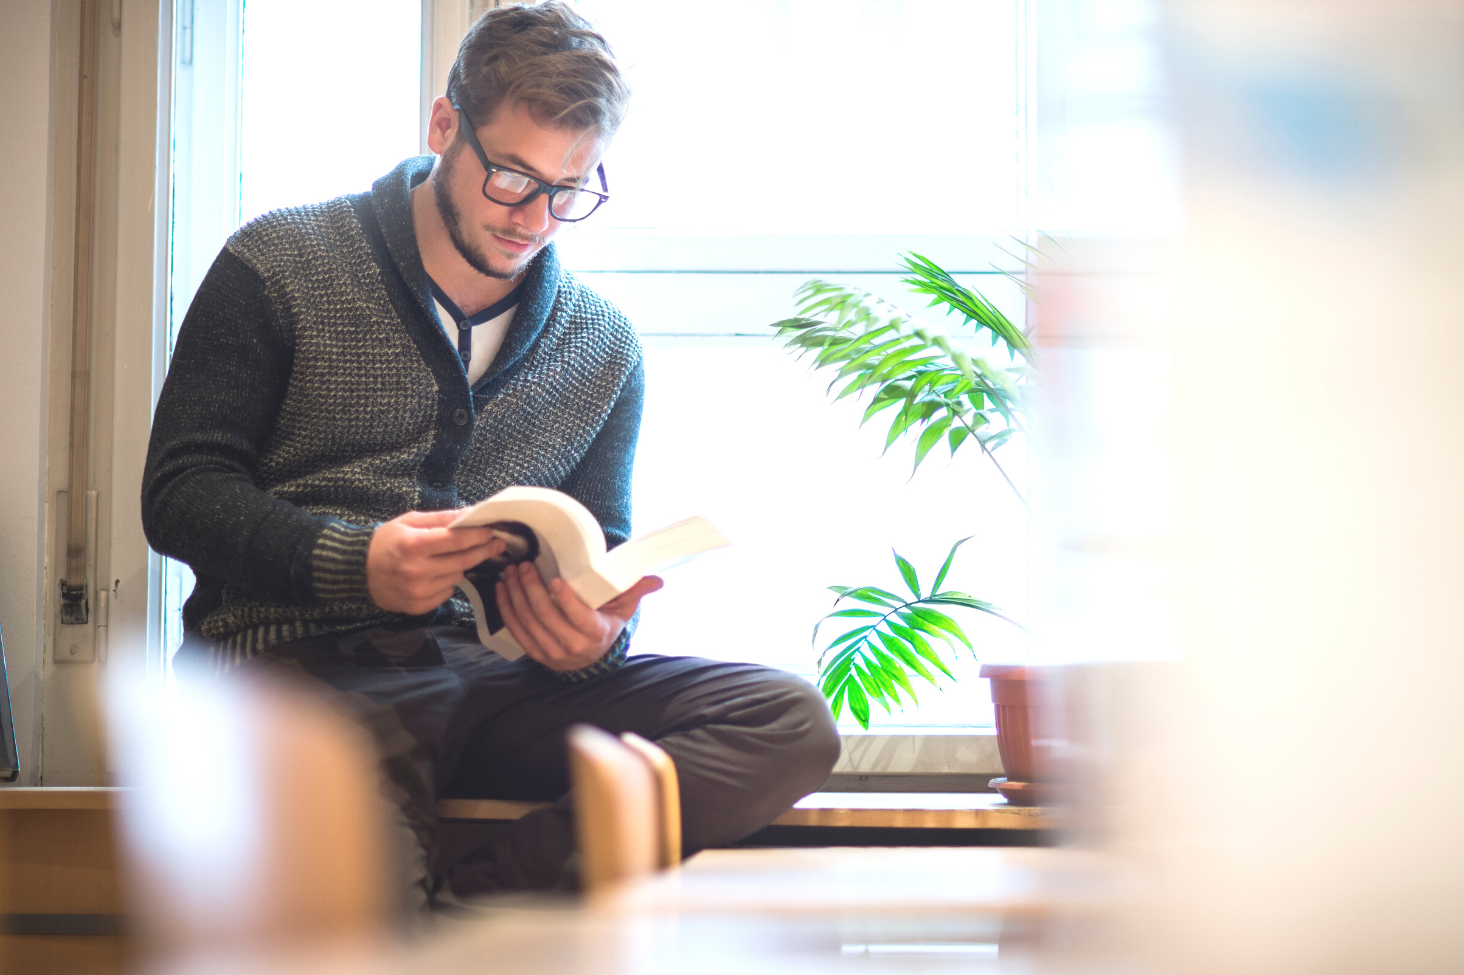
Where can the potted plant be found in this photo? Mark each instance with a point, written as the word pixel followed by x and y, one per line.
pixel 931 387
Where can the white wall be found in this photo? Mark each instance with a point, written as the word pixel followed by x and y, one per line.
pixel 25 118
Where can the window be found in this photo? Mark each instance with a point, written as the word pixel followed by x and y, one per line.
pixel 807 138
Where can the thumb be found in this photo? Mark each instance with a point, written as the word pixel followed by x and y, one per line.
pixel 624 605
pixel 646 586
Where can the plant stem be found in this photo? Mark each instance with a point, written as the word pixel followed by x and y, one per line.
pixel 1001 470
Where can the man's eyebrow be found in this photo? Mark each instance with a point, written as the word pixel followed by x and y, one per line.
pixel 518 162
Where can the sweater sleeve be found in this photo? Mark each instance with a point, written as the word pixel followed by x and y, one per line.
pixel 601 482
pixel 200 503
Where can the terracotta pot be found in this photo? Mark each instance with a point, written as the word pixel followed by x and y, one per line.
pixel 1020 695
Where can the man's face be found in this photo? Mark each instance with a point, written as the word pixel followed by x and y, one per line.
pixel 499 241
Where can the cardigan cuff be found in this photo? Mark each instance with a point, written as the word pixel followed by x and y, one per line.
pixel 338 562
pixel 613 659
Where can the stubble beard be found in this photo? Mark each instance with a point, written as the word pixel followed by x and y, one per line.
pixel 452 218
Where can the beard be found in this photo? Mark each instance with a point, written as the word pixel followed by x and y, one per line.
pixel 452 218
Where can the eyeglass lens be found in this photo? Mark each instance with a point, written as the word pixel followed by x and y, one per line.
pixel 512 188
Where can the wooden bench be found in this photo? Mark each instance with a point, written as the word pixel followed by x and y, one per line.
pixel 61 901
pixel 843 810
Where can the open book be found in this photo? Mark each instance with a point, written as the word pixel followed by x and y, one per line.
pixel 561 537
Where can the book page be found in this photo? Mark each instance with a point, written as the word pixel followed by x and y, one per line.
pixel 659 549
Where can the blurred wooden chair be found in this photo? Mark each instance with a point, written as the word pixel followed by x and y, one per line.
pixel 255 827
pixel 627 806
pixel 668 797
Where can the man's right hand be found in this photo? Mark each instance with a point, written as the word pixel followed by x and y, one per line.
pixel 415 560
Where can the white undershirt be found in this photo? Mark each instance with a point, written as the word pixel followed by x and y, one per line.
pixel 487 337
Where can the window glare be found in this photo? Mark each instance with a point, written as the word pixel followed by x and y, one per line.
pixel 330 98
pixel 786 107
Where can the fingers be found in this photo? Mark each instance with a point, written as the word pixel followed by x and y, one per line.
pixel 413 562
pixel 579 613
pixel 425 533
pixel 536 611
pixel 512 611
pixel 460 561
pixel 442 541
pixel 623 606
pixel 543 628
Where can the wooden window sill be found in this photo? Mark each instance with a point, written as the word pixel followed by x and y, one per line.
pixel 901 810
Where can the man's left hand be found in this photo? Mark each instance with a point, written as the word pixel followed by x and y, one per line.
pixel 554 626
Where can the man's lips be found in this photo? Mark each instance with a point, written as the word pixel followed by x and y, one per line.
pixel 513 244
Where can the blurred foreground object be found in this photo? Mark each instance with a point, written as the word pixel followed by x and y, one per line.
pixel 1292 538
pixel 627 807
pixel 254 827
pixel 1323 417
pixel 668 796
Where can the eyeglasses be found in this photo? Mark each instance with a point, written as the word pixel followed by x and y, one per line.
pixel 511 188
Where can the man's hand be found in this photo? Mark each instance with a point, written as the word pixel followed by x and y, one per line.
pixel 415 560
pixel 554 626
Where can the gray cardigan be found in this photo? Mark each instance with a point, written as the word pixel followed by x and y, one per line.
pixel 313 394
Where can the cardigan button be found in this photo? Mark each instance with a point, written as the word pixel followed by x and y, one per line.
pixel 437 485
pixel 460 416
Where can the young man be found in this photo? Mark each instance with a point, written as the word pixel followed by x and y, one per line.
pixel 351 372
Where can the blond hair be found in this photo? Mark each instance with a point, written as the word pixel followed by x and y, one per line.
pixel 546 57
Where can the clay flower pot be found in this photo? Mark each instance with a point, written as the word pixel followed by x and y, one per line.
pixel 1021 695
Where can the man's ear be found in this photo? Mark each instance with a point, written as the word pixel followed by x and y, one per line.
pixel 442 125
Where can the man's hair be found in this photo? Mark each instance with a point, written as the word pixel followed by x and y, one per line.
pixel 546 57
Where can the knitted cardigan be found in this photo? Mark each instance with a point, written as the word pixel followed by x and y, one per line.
pixel 313 394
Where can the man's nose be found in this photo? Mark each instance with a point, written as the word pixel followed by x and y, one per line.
pixel 534 217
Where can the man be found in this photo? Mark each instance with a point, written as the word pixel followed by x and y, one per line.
pixel 351 372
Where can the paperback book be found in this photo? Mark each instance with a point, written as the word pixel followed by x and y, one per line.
pixel 564 541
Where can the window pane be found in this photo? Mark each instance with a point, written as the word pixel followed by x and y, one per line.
pixel 812 135
pixel 330 98
pixel 815 116
pixel 746 436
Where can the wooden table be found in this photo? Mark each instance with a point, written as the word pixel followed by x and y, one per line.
pixel 772 911
pixel 850 881
pixel 756 912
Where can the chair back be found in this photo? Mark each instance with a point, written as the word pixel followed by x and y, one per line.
pixel 617 809
pixel 256 825
pixel 668 797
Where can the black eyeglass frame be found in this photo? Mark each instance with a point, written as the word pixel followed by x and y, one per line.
pixel 540 188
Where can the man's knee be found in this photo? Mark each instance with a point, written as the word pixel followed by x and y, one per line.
pixel 814 744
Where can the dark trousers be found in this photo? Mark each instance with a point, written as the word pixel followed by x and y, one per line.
pixel 452 719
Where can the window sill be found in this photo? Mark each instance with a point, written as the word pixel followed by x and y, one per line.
pixel 965 752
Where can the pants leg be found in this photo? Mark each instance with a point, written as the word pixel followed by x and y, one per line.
pixel 748 742
pixel 397 686
pixel 452 719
